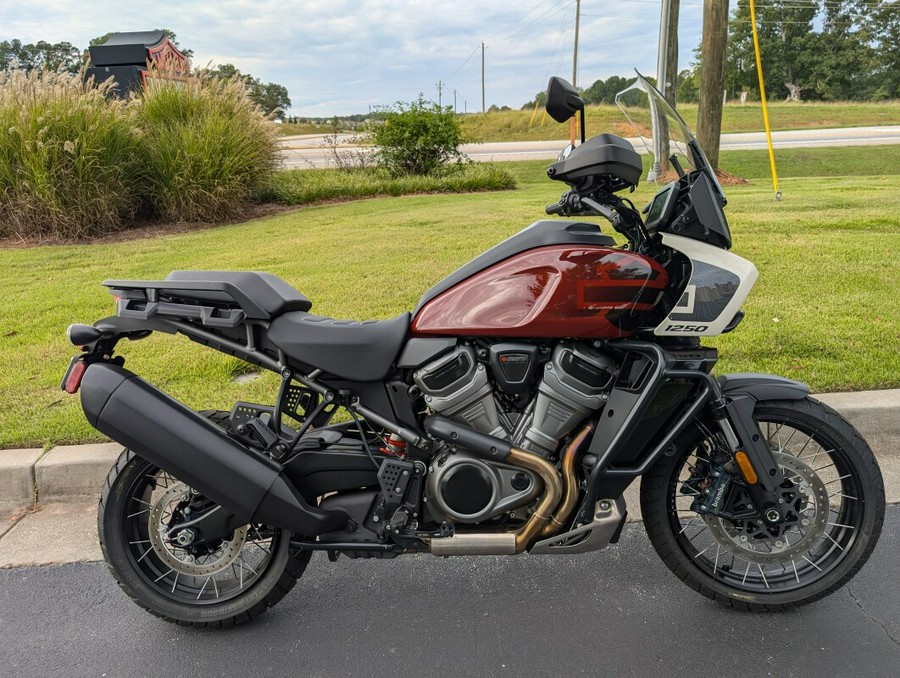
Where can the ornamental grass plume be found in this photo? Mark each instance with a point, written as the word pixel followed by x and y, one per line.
pixel 206 147
pixel 68 156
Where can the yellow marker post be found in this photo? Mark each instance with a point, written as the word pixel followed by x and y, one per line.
pixel 762 95
pixel 534 112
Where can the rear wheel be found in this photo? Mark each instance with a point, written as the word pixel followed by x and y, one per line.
pixel 222 583
pixel 833 489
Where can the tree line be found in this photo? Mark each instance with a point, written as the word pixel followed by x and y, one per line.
pixel 64 56
pixel 826 50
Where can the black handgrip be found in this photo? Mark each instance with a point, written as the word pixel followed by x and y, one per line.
pixel 555 208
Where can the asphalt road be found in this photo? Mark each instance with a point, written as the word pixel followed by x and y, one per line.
pixel 617 612
pixel 310 151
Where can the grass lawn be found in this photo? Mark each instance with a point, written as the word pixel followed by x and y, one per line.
pixel 824 311
pixel 292 128
pixel 514 125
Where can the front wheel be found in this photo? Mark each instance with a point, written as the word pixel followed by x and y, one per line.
pixel 833 487
pixel 216 584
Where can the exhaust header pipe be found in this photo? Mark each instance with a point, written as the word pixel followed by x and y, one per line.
pixel 175 438
pixel 491 448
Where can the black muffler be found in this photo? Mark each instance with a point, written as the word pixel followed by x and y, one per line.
pixel 175 438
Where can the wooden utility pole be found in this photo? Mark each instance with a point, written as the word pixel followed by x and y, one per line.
pixel 660 126
pixel 672 53
pixel 712 77
pixel 575 67
pixel 483 109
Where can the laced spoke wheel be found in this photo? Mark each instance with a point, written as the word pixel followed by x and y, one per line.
pixel 216 582
pixel 832 493
pixel 204 574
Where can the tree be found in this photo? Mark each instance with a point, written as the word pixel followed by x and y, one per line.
pixel 884 26
pixel 271 97
pixel 799 60
pixel 40 55
pixel 712 77
pixel 688 86
pixel 604 92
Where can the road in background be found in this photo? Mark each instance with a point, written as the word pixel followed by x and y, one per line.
pixel 311 151
pixel 618 612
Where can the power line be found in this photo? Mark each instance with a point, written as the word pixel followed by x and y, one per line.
pixel 555 9
pixel 474 50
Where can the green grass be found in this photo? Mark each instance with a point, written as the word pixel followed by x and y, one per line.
pixel 517 125
pixel 298 187
pixel 824 310
pixel 295 128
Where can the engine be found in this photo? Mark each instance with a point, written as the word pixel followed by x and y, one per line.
pixel 523 393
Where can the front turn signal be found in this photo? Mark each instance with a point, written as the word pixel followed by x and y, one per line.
pixel 746 467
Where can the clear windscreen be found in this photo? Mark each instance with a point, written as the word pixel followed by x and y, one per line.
pixel 661 131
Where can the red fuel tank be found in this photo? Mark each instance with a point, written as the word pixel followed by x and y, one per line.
pixel 553 291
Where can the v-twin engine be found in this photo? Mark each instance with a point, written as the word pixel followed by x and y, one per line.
pixel 573 382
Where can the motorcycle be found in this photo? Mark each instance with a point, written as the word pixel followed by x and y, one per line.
pixel 506 414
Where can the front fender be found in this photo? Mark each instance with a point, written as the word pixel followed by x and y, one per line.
pixel 761 387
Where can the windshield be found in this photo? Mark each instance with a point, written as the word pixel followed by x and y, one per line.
pixel 662 131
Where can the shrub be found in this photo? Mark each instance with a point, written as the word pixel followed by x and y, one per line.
pixel 417 138
pixel 67 157
pixel 206 147
pixel 298 187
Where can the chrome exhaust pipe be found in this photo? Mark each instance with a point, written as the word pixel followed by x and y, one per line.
pixel 175 438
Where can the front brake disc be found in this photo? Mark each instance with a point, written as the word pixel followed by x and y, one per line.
pixel 750 540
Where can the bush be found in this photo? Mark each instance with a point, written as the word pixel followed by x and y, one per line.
pixel 418 138
pixel 299 187
pixel 206 147
pixel 67 157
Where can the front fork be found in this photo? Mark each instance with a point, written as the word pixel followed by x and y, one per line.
pixel 750 451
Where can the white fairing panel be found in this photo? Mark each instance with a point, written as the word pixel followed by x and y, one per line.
pixel 720 281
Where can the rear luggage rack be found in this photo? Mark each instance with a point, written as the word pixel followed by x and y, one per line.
pixel 216 298
pixel 211 316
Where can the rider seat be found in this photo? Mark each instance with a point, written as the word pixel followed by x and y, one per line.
pixel 359 351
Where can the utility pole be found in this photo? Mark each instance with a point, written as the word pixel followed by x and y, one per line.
pixel 672 53
pixel 712 77
pixel 482 78
pixel 575 67
pixel 465 106
pixel 454 101
pixel 440 87
pixel 660 128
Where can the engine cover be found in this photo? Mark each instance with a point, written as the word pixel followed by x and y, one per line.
pixel 462 488
pixel 457 386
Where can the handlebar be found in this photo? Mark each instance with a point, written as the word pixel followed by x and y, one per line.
pixel 571 203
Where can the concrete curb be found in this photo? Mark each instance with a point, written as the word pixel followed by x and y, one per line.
pixel 77 472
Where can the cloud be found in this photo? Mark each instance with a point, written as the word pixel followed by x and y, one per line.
pixel 341 56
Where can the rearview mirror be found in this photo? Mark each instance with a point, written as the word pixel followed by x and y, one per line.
pixel 563 100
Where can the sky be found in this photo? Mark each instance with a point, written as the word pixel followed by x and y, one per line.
pixel 339 57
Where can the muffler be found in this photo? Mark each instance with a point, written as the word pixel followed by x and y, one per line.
pixel 175 438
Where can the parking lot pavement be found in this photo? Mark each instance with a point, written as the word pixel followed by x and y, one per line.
pixel 617 612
